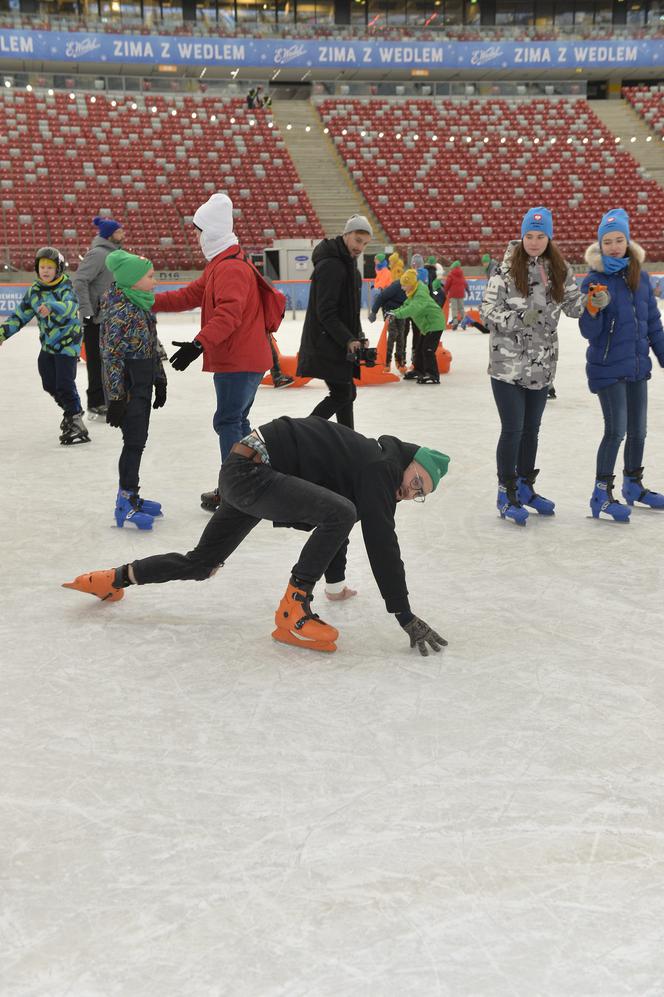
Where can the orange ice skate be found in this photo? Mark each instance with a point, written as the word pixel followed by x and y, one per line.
pixel 99 583
pixel 297 625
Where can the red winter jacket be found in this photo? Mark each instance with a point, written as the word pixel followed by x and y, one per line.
pixel 232 325
pixel 455 284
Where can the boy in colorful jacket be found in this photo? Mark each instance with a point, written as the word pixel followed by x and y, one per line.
pixel 132 363
pixel 52 301
pixel 430 320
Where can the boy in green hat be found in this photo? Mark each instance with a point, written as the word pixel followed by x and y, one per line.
pixel 132 363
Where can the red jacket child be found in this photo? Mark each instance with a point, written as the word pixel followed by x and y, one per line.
pixel 455 283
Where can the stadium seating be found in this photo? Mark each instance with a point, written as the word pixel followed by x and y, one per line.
pixel 457 177
pixel 148 161
pixel 648 102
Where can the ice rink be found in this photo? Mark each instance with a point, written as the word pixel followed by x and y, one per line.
pixel 192 810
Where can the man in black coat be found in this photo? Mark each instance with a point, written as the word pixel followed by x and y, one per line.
pixel 332 327
pixel 313 475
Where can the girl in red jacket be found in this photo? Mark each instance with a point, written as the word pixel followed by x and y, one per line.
pixel 456 289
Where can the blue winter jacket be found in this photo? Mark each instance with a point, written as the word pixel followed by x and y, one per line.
pixel 622 334
pixel 390 298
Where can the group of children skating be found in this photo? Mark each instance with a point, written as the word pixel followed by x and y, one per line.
pixel 525 295
pixel 618 315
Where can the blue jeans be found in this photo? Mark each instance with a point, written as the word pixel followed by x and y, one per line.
pixel 58 377
pixel 520 410
pixel 235 396
pixel 625 409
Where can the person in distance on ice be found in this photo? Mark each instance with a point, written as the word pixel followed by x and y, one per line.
pixel 521 308
pixel 429 319
pixel 52 301
pixel 618 363
pixel 305 473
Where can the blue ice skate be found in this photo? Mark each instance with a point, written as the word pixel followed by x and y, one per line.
pixel 508 503
pixel 148 506
pixel 602 503
pixel 527 495
pixel 634 492
pixel 127 512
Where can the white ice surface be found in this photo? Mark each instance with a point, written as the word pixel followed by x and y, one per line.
pixel 191 810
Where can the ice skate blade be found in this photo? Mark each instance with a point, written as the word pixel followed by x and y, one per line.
pixel 517 522
pixel 286 637
pixel 72 443
pixel 607 518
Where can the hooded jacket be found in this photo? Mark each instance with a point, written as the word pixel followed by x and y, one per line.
pixel 622 334
pixel 333 314
pixel 427 315
pixel 455 284
pixel 521 354
pixel 60 332
pixel 391 297
pixel 366 471
pixel 93 277
pixel 383 277
pixel 233 332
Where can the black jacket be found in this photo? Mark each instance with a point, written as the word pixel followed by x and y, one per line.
pixel 391 297
pixel 333 314
pixel 366 471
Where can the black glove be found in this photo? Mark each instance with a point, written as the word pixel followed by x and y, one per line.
pixel 420 633
pixel 159 394
pixel 187 353
pixel 116 411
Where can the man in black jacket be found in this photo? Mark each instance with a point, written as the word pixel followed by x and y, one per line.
pixel 305 473
pixel 332 328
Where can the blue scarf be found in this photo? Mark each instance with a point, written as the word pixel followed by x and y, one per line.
pixel 613 264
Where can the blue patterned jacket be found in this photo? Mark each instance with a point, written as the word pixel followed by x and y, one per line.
pixel 60 332
pixel 126 333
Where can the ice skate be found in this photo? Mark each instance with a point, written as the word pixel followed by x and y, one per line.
pixel 99 583
pixel 508 503
pixel 428 379
pixel 527 495
pixel 411 375
pixel 148 506
pixel 297 625
pixel 210 500
pixel 602 503
pixel 128 513
pixel 282 381
pixel 73 430
pixel 97 412
pixel 634 492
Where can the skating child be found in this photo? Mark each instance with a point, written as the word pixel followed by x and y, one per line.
pixel 618 363
pixel 383 276
pixel 52 301
pixel 521 309
pixel 430 320
pixel 390 298
pixel 456 289
pixel 417 264
pixel 396 266
pixel 132 363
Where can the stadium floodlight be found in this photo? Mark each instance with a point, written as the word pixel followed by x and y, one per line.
pixel 416 137
pixel 398 135
pixel 93 100
pixel 633 138
pixel 503 140
pixel 174 113
pixel 307 128
pixel 326 131
pixel 153 109
pixel 288 127
pixel 553 140
pixel 519 141
pixel 585 141
pixel 617 139
pixel 134 106
pixel 232 120
pixel 193 114
pixel 486 139
pixel 344 131
pixel 29 87
pixel 649 139
pixel 601 141
pixel 213 117
pixel 434 138
pixel 50 93
pixel 535 140
pixel 114 103
pixel 252 121
pixel 270 124
pixel 72 96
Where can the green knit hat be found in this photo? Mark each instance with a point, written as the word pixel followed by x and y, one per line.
pixel 127 268
pixel 379 257
pixel 486 258
pixel 431 261
pixel 434 462
pixel 457 263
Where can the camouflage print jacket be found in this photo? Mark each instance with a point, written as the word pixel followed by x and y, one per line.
pixel 521 354
pixel 127 333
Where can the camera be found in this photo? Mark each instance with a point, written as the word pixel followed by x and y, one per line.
pixel 364 355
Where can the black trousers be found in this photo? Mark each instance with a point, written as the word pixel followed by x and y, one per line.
pixel 95 391
pixel 139 378
pixel 252 492
pixel 339 402
pixel 425 353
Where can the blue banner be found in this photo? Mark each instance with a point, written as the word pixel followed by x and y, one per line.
pixel 86 47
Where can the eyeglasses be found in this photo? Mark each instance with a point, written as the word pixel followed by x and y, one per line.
pixel 416 485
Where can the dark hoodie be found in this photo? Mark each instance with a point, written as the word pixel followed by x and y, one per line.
pixel 366 471
pixel 333 314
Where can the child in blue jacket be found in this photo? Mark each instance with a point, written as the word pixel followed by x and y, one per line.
pixel 618 363
pixel 52 301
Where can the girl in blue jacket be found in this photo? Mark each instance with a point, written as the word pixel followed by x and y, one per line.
pixel 618 363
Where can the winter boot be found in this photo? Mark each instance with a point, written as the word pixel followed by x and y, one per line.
pixel 73 430
pixel 428 379
pixel 633 490
pixel 297 625
pixel 603 504
pixel 508 503
pixel 527 495
pixel 210 500
pixel 282 380
pixel 148 506
pixel 99 583
pixel 128 512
